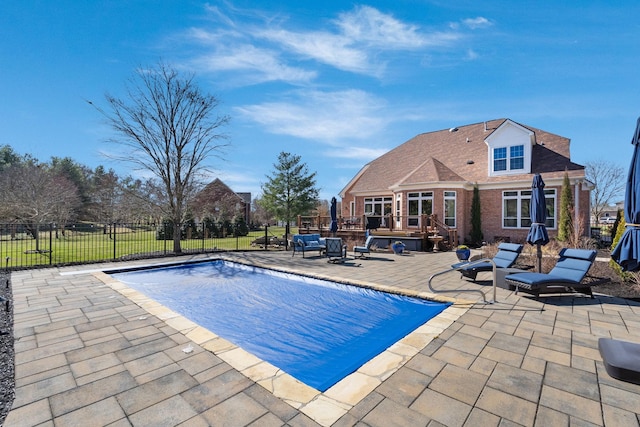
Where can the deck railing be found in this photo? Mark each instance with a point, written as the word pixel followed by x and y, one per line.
pixel 422 224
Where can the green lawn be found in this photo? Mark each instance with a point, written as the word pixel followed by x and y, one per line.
pixel 91 246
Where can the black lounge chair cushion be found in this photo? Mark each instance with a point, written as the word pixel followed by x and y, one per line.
pixel 568 272
pixel 504 258
pixel 531 279
pixel 621 359
pixel 364 249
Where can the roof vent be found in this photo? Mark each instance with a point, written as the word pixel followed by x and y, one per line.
pixel 470 162
pixel 453 130
pixel 468 140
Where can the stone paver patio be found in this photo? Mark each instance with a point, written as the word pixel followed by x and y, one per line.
pixel 90 351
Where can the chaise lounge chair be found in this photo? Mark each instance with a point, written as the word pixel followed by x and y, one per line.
pixel 566 276
pixel 363 251
pixel 505 258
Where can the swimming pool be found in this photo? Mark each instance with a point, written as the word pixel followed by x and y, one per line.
pixel 315 330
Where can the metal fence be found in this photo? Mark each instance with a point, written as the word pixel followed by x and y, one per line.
pixel 38 245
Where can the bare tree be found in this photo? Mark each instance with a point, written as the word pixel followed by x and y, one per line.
pixel 259 214
pixel 142 200
pixel 105 196
pixel 609 184
pixel 33 195
pixel 169 126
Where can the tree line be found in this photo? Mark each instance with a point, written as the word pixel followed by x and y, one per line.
pixel 63 191
pixel 166 126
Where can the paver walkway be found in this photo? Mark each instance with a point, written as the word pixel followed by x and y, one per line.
pixel 87 354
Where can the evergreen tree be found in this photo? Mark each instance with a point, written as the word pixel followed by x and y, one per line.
pixel 240 227
pixel 291 190
pixel 617 233
pixel 565 226
pixel 614 226
pixel 476 217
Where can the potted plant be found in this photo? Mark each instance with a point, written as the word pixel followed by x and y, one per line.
pixel 397 247
pixel 463 252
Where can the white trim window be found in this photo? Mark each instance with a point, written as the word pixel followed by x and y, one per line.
pixel 418 204
pixel 450 208
pixel 399 211
pixel 378 206
pixel 508 159
pixel 515 208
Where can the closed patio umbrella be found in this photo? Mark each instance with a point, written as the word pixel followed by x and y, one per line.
pixel 627 251
pixel 622 358
pixel 334 216
pixel 538 213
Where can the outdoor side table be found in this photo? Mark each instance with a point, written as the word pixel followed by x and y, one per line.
pixel 501 273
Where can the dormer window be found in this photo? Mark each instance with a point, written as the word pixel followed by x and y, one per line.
pixel 500 159
pixel 508 158
pixel 510 149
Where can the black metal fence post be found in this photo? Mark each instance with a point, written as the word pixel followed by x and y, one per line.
pixel 166 224
pixel 50 243
pixel 266 237
pixel 114 240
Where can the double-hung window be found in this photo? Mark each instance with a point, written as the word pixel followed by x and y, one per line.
pixel 516 157
pixel 508 158
pixel 500 159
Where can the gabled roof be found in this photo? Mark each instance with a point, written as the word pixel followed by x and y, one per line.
pixel 430 170
pixel 458 155
pixel 217 189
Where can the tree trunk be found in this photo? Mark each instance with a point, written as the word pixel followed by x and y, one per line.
pixel 177 228
pixel 33 230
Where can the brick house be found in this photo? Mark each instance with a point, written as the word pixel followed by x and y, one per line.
pixel 435 173
pixel 217 200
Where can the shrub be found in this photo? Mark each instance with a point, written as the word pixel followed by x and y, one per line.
pixel 240 227
pixel 476 218
pixel 565 225
pixel 614 265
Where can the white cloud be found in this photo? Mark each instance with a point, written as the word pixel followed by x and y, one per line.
pixel 472 55
pixel 322 116
pixel 368 25
pixel 475 23
pixel 256 65
pixel 324 47
pixel 362 154
pixel 360 41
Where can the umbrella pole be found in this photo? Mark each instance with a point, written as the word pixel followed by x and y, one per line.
pixel 539 258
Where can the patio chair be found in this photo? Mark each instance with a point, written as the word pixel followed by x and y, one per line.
pixel 335 251
pixel 621 359
pixel 566 276
pixel 505 258
pixel 363 251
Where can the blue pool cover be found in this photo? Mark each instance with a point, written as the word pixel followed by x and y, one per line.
pixel 316 331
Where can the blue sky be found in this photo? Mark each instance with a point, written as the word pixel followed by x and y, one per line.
pixel 338 83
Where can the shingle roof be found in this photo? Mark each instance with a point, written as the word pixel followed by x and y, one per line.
pixel 458 155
